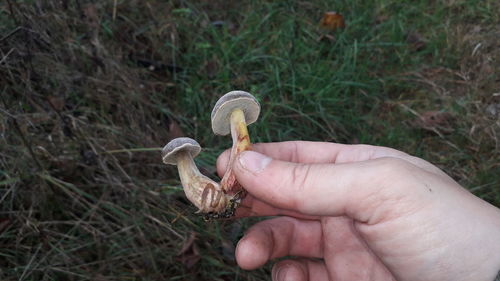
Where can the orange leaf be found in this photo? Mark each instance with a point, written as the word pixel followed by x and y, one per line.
pixel 332 21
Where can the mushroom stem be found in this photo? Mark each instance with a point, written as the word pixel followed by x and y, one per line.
pixel 203 192
pixel 241 142
pixel 187 168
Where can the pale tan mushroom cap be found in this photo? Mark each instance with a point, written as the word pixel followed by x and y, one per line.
pixel 221 114
pixel 170 151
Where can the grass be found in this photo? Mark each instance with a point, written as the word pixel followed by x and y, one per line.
pixel 90 91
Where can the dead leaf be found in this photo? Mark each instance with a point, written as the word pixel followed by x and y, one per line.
pixel 486 69
pixel 211 68
pixel 189 254
pixel 4 224
pixel 90 12
pixel 435 120
pixel 381 18
pixel 416 40
pixel 174 130
pixel 387 106
pixel 332 21
pixel 240 80
pixel 56 102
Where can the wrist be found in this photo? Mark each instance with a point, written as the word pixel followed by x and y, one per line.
pixel 481 249
pixel 491 245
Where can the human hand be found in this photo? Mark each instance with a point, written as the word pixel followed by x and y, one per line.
pixel 358 212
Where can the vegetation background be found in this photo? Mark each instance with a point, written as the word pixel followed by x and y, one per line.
pixel 91 90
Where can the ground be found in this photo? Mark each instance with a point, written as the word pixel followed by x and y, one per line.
pixel 91 91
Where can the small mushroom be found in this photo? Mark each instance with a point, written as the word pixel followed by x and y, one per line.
pixel 231 114
pixel 203 192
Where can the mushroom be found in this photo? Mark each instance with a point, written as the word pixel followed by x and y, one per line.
pixel 203 192
pixel 231 114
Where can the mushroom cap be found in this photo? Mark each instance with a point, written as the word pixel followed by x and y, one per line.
pixel 221 114
pixel 170 151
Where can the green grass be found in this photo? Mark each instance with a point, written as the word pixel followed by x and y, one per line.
pixel 87 100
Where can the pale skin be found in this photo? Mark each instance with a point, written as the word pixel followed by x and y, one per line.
pixel 359 212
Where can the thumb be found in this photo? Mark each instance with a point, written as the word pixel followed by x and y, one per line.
pixel 358 190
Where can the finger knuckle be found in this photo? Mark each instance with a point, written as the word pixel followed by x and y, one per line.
pixel 301 176
pixel 389 189
pixel 300 183
pixel 393 167
pixel 391 175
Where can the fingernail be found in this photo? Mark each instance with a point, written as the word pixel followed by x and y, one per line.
pixel 280 273
pixel 253 162
pixel 285 273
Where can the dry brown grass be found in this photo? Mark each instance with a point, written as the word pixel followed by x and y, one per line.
pixel 77 203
